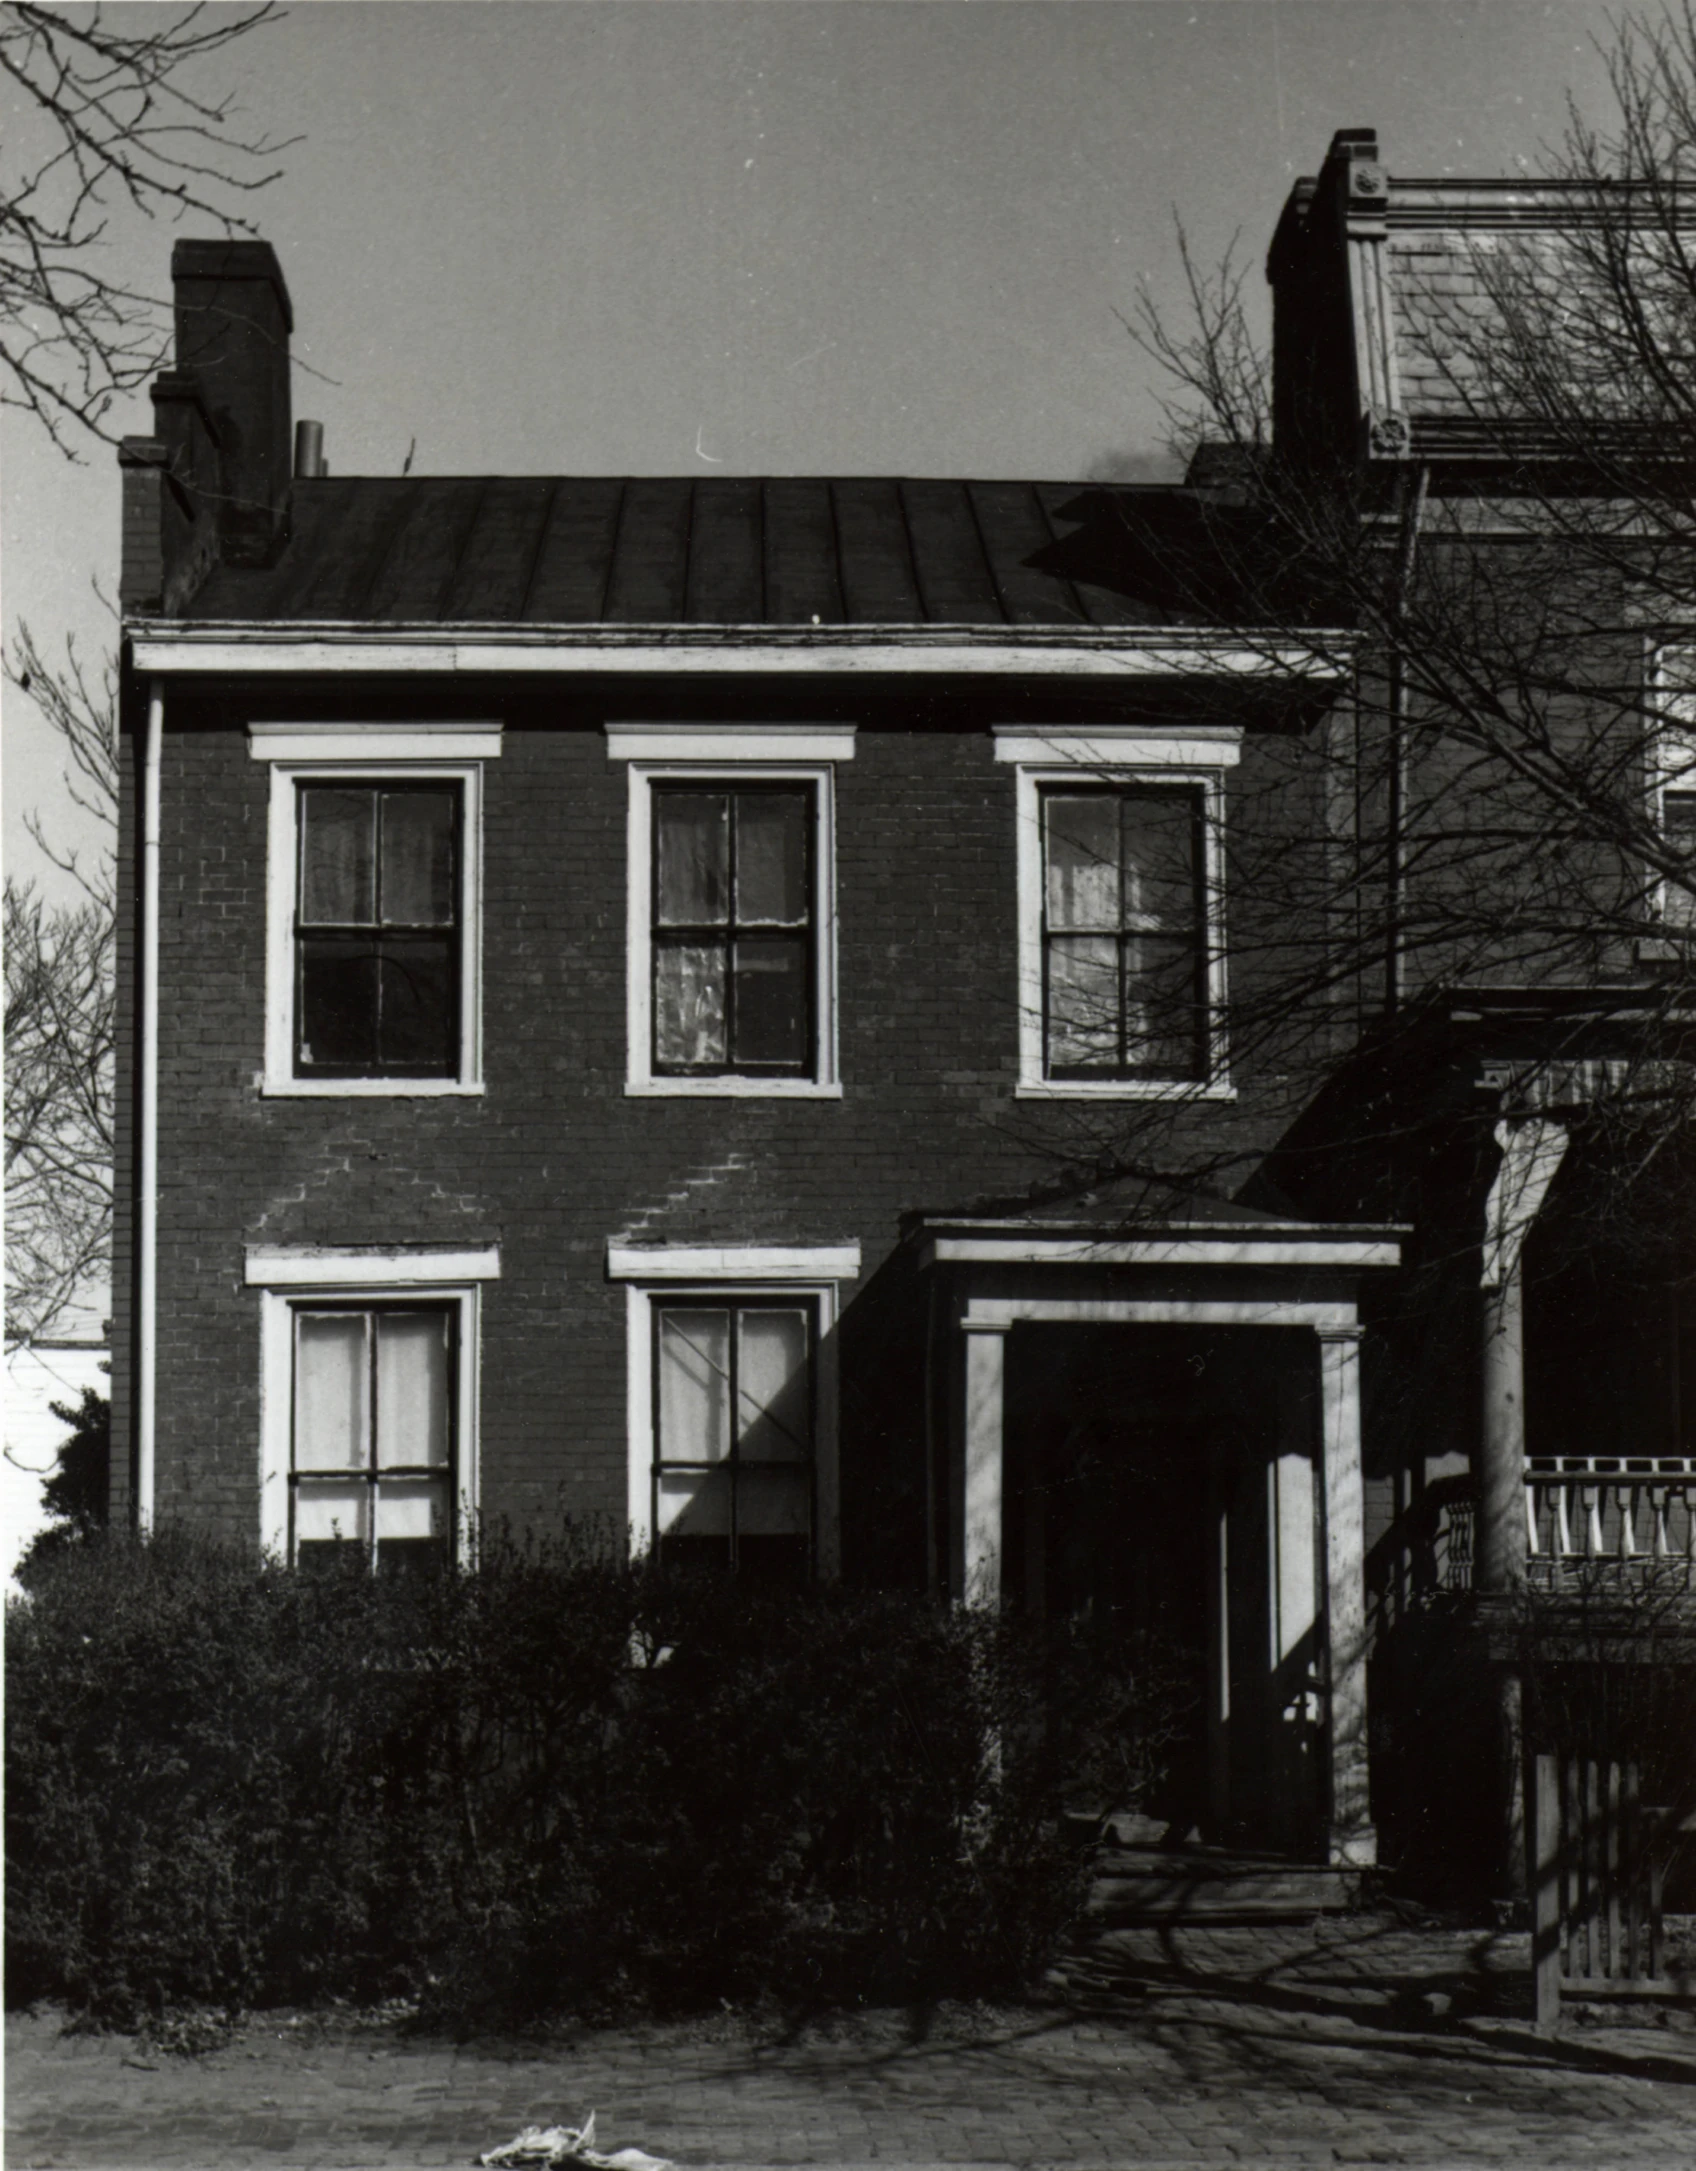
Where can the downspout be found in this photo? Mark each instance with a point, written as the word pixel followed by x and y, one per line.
pixel 1395 816
pixel 147 1144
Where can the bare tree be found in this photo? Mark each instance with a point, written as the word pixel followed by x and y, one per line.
pixel 59 1106
pixel 110 113
pixel 60 993
pixel 1512 795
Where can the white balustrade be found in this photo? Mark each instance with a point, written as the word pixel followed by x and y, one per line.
pixel 1611 1507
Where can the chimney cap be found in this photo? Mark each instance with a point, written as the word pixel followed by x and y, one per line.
pixel 225 260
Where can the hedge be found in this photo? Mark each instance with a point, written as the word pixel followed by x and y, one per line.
pixel 555 1783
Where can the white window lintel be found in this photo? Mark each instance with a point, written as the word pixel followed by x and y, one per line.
pixel 733 1264
pixel 361 1266
pixel 732 743
pixel 364 744
pixel 1119 746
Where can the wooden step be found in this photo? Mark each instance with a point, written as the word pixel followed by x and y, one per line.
pixel 1204 1886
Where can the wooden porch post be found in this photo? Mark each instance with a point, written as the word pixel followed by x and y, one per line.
pixel 1532 1149
pixel 1351 1839
pixel 979 1556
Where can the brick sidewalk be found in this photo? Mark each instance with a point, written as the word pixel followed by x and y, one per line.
pixel 1350 2043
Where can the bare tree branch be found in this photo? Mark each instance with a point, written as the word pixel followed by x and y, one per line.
pixel 112 117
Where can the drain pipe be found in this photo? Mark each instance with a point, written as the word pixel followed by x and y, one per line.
pixel 1395 815
pixel 147 1142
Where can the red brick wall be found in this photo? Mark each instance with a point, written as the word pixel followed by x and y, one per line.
pixel 554 1159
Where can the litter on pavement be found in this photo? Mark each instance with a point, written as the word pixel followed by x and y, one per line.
pixel 564 2148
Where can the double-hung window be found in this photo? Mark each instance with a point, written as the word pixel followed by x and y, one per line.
pixel 1124 932
pixel 734 958
pixel 731 907
pixel 377 941
pixel 733 1403
pixel 734 1429
pixel 371 1464
pixel 374 944
pixel 1121 966
pixel 369 1357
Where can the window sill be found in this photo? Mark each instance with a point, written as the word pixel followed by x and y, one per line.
pixel 731 1089
pixel 1123 1089
pixel 386 1089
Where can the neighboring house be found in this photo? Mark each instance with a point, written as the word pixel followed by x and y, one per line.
pixel 626 986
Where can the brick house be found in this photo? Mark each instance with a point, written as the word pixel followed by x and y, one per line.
pixel 625 983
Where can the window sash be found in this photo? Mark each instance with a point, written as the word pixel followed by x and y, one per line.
pixel 387 979
pixel 754 1475
pixel 384 1495
pixel 1137 977
pixel 730 974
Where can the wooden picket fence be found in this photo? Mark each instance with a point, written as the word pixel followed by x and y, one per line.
pixel 1597 1928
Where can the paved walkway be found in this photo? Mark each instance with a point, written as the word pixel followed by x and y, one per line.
pixel 1350 2043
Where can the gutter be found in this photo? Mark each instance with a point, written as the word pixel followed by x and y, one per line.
pixel 147 1144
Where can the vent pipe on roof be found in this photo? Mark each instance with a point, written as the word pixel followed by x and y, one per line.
pixel 309 462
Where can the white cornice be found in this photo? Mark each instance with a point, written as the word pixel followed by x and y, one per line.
pixel 182 648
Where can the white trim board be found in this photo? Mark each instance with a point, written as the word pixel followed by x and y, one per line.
pixel 277 1306
pixel 1132 747
pixel 342 649
pixel 1127 766
pixel 341 741
pixel 738 743
pixel 733 1264
pixel 315 1266
pixel 373 754
pixel 1167 1251
pixel 641 1080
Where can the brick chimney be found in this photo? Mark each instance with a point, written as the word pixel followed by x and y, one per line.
pixel 1317 393
pixel 233 326
pixel 211 485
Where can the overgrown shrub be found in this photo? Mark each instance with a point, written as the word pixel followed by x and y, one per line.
pixel 555 1783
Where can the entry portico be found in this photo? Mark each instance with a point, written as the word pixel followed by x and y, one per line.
pixel 1283 1501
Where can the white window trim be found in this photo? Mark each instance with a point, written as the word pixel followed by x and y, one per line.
pixel 379 754
pixel 289 1277
pixel 1670 753
pixel 1117 754
pixel 781 753
pixel 730 1272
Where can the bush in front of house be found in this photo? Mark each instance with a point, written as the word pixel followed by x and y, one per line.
pixel 555 1783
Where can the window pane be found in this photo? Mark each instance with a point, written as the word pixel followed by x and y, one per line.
pixel 1164 1015
pixel 692 849
pixel 1678 819
pixel 1160 859
pixel 771 1000
pixel 1082 854
pixel 338 1004
pixel 771 857
pixel 412 1511
pixel 331 1387
pixel 327 1515
pixel 412 1388
pixel 693 1504
pixel 689 1006
pixel 774 1417
pixel 338 857
pixel 773 1502
pixel 1083 1002
pixel 417 1027
pixel 694 1386
pixel 418 871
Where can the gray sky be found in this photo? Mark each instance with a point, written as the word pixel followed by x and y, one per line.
pixel 692 236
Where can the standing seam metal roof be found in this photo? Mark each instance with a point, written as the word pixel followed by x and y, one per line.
pixel 640 550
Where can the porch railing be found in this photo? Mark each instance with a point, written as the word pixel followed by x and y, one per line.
pixel 1638 1509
